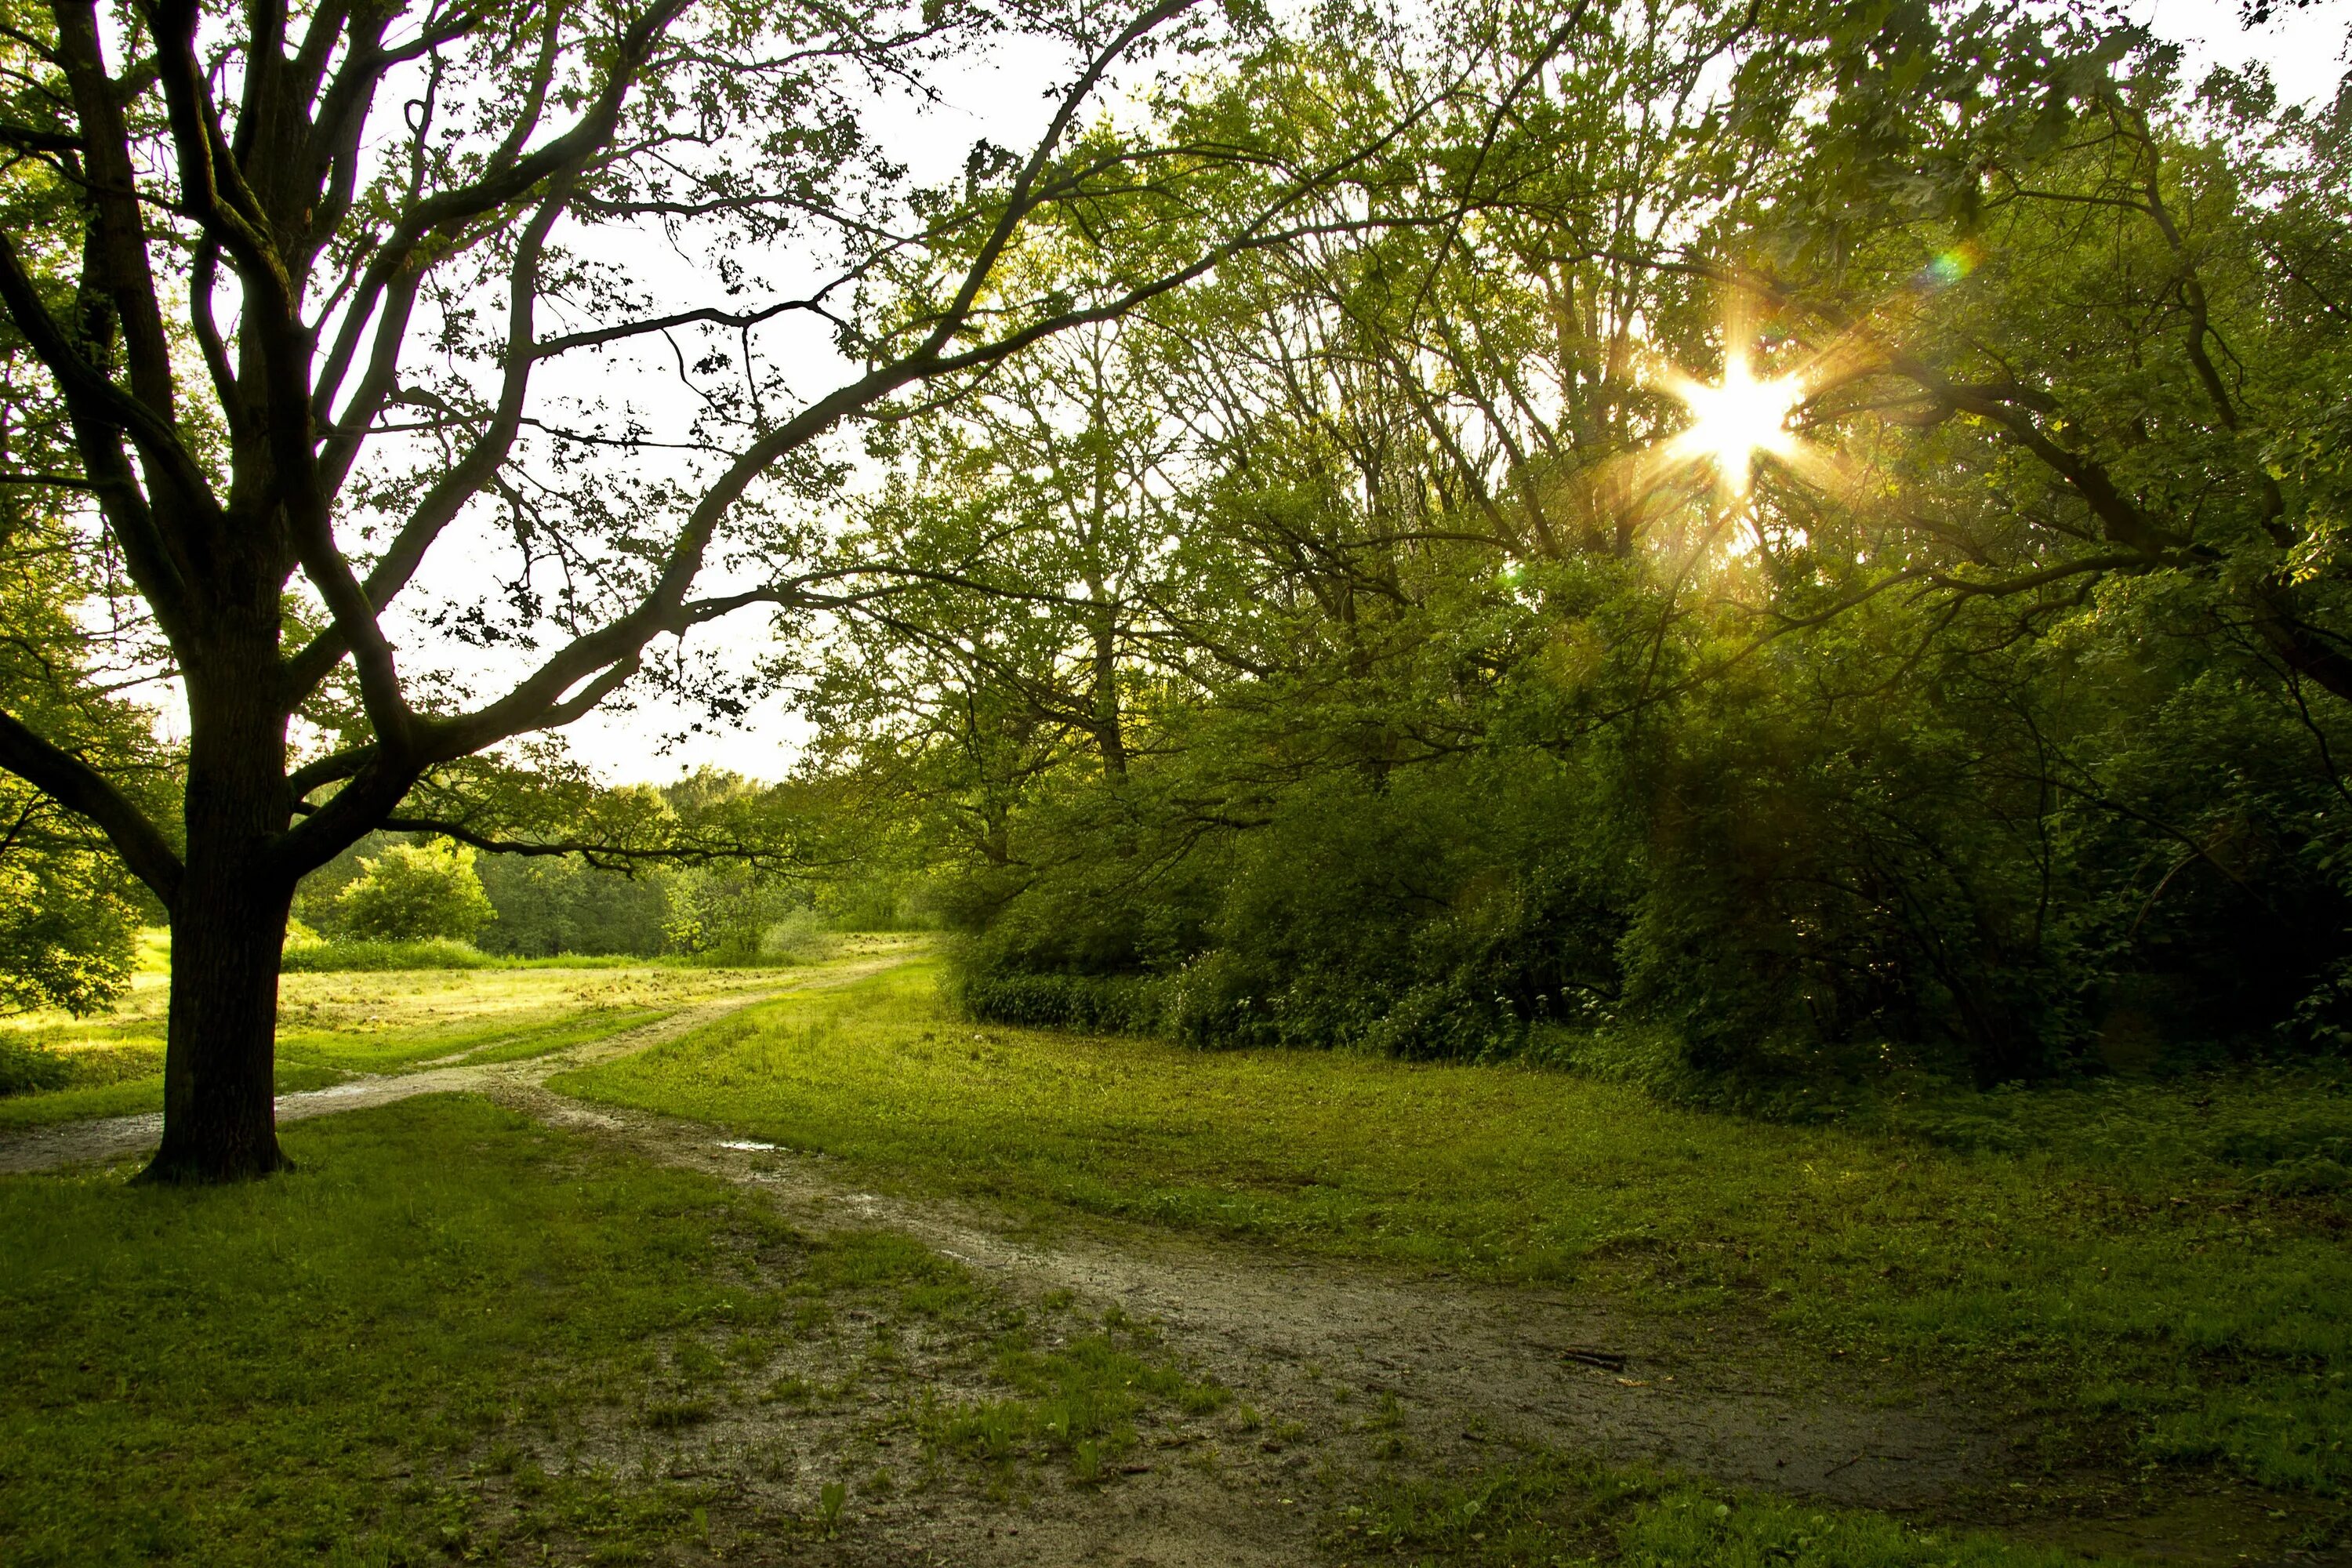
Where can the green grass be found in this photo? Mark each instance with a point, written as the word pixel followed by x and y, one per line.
pixel 354 956
pixel 130 1076
pixel 332 1024
pixel 452 1334
pixel 303 1370
pixel 343 957
pixel 1073 1403
pixel 136 1096
pixel 2163 1261
pixel 1546 1508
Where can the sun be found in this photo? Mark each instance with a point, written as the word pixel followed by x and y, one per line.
pixel 1736 419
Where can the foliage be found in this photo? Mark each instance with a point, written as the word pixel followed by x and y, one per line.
pixel 70 913
pixel 67 927
pixel 560 904
pixel 704 903
pixel 1356 653
pixel 28 1069
pixel 417 893
pixel 281 352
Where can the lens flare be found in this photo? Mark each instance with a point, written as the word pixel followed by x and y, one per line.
pixel 1736 419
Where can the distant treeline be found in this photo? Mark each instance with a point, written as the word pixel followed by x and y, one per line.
pixel 724 910
pixel 548 905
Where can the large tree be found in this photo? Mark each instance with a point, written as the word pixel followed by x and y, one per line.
pixel 316 291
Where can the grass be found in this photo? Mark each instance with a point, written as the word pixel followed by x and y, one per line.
pixel 442 1336
pixel 1073 1403
pixel 350 955
pixel 445 1337
pixel 303 1370
pixel 2165 1262
pixel 341 957
pixel 1545 1508
pixel 453 1335
pixel 333 1025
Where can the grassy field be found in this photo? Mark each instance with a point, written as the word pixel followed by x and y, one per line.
pixel 2159 1271
pixel 455 1335
pixel 333 1025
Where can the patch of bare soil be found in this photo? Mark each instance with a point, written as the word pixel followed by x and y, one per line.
pixel 1347 1364
pixel 1346 1370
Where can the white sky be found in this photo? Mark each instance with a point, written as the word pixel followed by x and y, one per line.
pixel 1003 97
pixel 2305 49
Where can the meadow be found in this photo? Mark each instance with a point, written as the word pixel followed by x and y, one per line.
pixel 2152 1270
pixel 455 1333
pixel 335 1024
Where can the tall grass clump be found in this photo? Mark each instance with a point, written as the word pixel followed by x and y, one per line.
pixel 353 954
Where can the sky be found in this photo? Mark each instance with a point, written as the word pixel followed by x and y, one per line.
pixel 2303 48
pixel 1006 97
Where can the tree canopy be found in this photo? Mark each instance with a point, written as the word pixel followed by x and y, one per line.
pixel 1808 535
pixel 1822 560
pixel 307 300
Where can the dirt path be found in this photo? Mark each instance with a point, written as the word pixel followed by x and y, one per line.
pixel 115 1137
pixel 1324 1345
pixel 1353 1366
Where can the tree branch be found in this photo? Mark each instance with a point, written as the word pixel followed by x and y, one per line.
pixel 83 790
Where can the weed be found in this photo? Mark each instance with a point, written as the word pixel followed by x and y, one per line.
pixel 673 1415
pixel 830 1498
pixel 1545 1508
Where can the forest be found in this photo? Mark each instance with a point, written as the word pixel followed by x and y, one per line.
pixel 1664 680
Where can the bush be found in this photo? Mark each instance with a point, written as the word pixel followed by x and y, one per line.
pixel 28 1069
pixel 1113 1003
pixel 743 921
pixel 330 957
pixel 560 904
pixel 67 937
pixel 415 892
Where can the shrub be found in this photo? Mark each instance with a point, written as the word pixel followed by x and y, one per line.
pixel 27 1068
pixel 743 921
pixel 67 937
pixel 1116 1003
pixel 415 892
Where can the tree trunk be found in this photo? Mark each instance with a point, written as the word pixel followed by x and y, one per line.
pixel 220 1116
pixel 228 932
pixel 1110 742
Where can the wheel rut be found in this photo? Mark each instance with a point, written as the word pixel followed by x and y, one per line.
pixel 1473 1367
